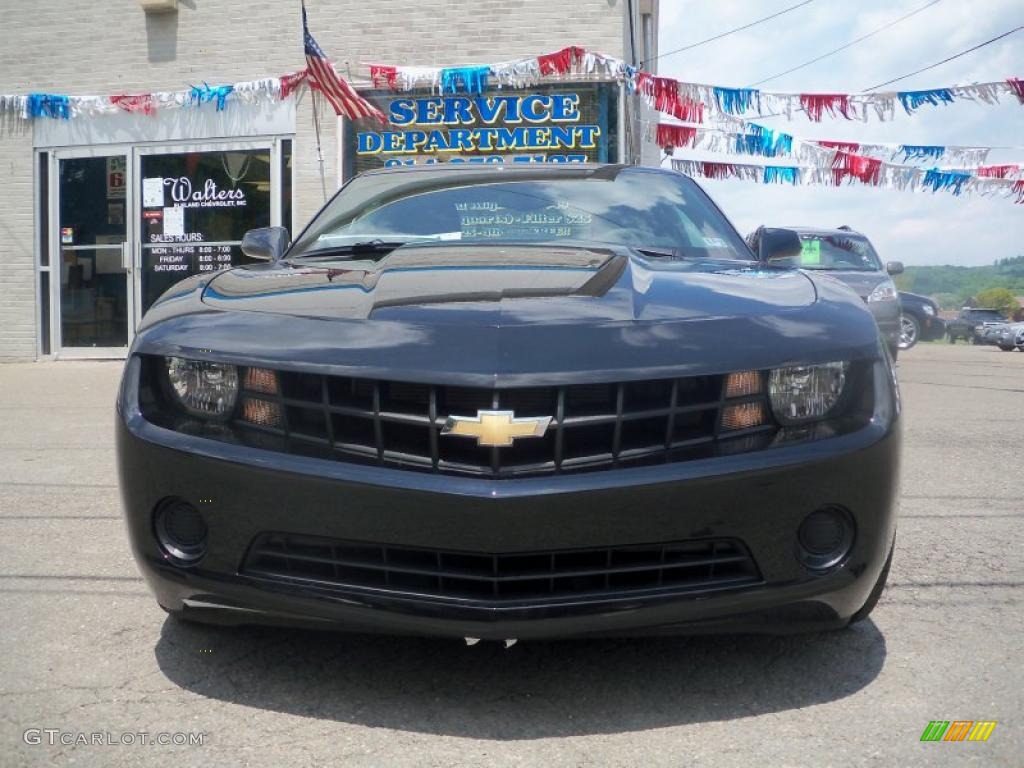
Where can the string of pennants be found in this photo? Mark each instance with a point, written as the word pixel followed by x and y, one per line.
pixel 757 140
pixel 60 106
pixel 684 101
pixel 833 162
pixel 853 169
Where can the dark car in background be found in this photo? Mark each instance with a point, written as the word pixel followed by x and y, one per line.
pixel 512 402
pixel 919 320
pixel 972 323
pixel 849 257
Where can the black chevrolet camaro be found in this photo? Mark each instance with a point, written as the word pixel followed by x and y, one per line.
pixel 512 402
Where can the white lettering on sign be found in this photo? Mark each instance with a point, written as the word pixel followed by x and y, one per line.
pixel 209 195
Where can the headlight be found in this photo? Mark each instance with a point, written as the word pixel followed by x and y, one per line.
pixel 884 291
pixel 202 388
pixel 928 309
pixel 803 393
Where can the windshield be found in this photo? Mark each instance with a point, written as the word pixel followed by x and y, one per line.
pixel 986 315
pixel 845 252
pixel 644 209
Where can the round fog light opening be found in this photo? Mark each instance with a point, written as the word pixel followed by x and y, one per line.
pixel 825 538
pixel 181 531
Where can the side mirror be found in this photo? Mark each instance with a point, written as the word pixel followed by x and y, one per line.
pixel 776 244
pixel 266 244
pixel 894 267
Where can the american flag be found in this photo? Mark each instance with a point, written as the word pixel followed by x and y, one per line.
pixel 324 78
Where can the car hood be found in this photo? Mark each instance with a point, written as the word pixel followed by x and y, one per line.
pixel 509 285
pixel 860 281
pixel 510 316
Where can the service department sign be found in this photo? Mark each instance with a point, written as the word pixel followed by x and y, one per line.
pixel 563 124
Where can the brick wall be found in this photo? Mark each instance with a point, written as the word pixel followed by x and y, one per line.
pixel 85 47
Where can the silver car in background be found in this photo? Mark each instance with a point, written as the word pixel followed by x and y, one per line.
pixel 849 257
pixel 1007 337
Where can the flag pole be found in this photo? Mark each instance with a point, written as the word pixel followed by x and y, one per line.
pixel 316 116
pixel 319 149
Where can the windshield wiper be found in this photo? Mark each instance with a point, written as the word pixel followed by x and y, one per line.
pixel 376 245
pixel 659 252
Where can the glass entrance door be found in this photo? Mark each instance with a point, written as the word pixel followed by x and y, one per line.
pixel 194 205
pixel 96 294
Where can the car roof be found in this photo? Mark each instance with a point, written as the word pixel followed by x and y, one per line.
pixel 829 232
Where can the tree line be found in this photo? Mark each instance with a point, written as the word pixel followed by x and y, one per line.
pixel 953 287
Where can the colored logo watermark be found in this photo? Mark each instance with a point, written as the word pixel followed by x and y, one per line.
pixel 958 730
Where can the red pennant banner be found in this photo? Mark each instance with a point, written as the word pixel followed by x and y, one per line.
pixel 842 146
pixel 384 76
pixel 997 171
pixel 816 104
pixel 675 135
pixel 560 62
pixel 664 94
pixel 290 82
pixel 142 102
pixel 712 170
pixel 1018 87
pixel 865 169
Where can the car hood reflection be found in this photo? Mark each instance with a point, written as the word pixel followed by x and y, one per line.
pixel 510 285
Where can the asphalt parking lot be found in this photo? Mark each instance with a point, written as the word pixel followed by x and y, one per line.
pixel 83 647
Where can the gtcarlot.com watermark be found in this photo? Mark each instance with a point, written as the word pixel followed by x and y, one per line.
pixel 55 736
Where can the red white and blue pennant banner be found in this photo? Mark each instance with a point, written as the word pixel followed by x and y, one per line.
pixel 757 140
pixel 691 102
pixel 36 105
pixel 684 100
pixel 856 169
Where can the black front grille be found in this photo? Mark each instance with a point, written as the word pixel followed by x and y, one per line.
pixel 573 574
pixel 592 426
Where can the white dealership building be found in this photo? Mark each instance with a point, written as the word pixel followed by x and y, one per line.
pixel 102 209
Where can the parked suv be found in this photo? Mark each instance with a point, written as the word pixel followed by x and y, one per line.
pixel 920 320
pixel 849 257
pixel 971 323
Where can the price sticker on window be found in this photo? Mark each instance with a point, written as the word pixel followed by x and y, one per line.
pixel 810 252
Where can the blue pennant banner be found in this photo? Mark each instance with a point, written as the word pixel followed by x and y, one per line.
pixel 922 151
pixel 952 180
pixel 464 79
pixel 911 100
pixel 736 101
pixel 764 141
pixel 780 174
pixel 48 105
pixel 203 93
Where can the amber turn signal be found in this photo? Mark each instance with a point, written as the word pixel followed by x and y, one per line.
pixel 743 383
pixel 742 416
pixel 261 412
pixel 261 380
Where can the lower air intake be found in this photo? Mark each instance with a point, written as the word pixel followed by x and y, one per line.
pixel 514 578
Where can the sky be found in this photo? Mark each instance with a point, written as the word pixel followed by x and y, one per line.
pixel 916 228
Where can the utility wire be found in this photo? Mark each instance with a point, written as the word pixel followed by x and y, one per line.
pixel 729 32
pixel 949 58
pixel 849 44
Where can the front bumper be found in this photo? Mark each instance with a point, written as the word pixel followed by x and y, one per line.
pixel 757 498
pixel 932 328
pixel 887 317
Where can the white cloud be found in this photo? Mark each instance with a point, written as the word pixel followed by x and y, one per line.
pixel 917 228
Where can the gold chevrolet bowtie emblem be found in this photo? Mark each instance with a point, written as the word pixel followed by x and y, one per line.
pixel 496 429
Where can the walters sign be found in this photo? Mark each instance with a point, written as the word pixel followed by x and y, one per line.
pixel 564 125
